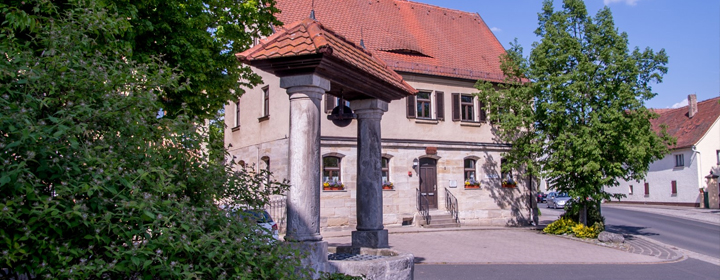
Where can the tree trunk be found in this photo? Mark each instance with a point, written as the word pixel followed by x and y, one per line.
pixel 583 213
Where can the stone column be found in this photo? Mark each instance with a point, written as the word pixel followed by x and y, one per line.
pixel 303 200
pixel 370 231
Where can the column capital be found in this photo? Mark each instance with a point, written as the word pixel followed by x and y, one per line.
pixel 369 105
pixel 305 81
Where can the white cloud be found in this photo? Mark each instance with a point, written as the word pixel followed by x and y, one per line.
pixel 628 2
pixel 682 103
pixel 495 29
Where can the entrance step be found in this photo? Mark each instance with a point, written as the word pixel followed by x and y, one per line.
pixel 440 219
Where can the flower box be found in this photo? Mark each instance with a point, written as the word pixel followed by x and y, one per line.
pixel 472 186
pixel 387 186
pixel 509 185
pixel 333 186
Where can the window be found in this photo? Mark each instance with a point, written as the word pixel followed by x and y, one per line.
pixel 482 114
pixel 467 108
pixel 630 191
pixel 331 169
pixel 505 175
pixel 423 105
pixel 647 189
pixel 237 113
pixel 718 156
pixel 470 169
pixel 266 103
pixel 673 186
pixel 679 160
pixel 385 169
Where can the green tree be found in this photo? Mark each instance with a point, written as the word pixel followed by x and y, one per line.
pixel 201 39
pixel 574 110
pixel 93 185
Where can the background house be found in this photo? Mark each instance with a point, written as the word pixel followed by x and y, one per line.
pixel 675 179
pixel 432 142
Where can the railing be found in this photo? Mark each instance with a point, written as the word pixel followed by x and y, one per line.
pixel 423 206
pixel 277 210
pixel 451 205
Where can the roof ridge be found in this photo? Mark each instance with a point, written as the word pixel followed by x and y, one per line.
pixel 438 7
pixel 666 110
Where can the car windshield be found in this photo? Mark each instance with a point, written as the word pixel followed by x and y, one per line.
pixel 261 216
pixel 563 195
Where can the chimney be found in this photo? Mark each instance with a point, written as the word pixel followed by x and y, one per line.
pixel 692 105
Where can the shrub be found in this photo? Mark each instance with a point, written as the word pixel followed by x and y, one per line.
pixel 95 185
pixel 560 226
pixel 574 208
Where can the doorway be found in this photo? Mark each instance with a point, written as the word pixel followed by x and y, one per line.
pixel 428 181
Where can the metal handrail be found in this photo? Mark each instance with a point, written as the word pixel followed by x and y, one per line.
pixel 451 205
pixel 423 206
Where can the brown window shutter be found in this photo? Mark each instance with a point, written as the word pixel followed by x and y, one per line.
pixel 411 107
pixel 456 107
pixel 647 188
pixel 440 105
pixel 482 114
pixel 329 103
pixel 674 187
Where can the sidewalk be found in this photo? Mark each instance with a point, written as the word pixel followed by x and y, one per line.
pixel 711 216
pixel 497 245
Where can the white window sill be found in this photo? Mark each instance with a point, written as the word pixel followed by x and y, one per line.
pixel 426 121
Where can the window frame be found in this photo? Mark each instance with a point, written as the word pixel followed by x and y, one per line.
pixel 467 108
pixel 680 160
pixel 419 101
pixel 630 190
pixel 266 160
pixel 237 113
pixel 647 189
pixel 385 170
pixel 472 169
pixel 337 169
pixel 265 103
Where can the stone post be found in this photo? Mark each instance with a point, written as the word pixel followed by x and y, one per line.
pixel 303 199
pixel 370 231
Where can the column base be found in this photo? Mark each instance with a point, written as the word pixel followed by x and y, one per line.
pixel 317 255
pixel 370 239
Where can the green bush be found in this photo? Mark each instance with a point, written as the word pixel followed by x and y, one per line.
pixel 560 226
pixel 574 208
pixel 94 184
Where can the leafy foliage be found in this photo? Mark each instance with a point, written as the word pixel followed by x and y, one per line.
pixel 93 183
pixel 566 225
pixel 574 110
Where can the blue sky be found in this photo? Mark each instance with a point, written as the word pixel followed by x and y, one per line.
pixel 689 31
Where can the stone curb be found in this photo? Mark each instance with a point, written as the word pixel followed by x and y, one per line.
pixel 399 230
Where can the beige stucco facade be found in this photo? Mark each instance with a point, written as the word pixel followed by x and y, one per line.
pixel 256 137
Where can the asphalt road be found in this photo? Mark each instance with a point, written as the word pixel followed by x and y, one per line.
pixel 699 237
pixel 687 269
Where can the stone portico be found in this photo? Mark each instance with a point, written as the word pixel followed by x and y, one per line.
pixel 312 61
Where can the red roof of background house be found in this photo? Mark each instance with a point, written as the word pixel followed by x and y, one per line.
pixel 688 131
pixel 307 37
pixel 409 36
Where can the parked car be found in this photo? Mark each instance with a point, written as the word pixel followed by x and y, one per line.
pixel 264 220
pixel 558 200
pixel 541 197
pixel 260 216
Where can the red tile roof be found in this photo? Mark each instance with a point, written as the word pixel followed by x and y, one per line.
pixel 410 36
pixel 688 131
pixel 308 37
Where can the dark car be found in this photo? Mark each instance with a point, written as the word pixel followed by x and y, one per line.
pixel 541 197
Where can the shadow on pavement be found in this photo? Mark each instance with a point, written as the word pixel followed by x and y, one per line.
pixel 628 230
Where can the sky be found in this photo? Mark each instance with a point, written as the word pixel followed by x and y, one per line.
pixel 689 31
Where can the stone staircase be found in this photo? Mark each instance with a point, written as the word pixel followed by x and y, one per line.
pixel 439 219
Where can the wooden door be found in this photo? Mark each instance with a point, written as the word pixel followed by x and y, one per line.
pixel 428 181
